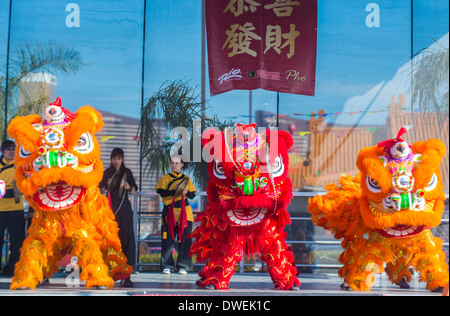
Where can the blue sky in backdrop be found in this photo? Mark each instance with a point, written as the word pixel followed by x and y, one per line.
pixel 352 58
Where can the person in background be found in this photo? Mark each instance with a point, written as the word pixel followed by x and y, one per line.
pixel 121 205
pixel 11 208
pixel 177 217
pixel 303 254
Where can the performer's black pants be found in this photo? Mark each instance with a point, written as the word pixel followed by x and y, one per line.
pixel 127 240
pixel 15 222
pixel 184 260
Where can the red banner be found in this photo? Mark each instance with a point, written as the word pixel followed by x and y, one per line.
pixel 268 44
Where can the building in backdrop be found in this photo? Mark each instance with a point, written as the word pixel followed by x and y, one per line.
pixel 37 90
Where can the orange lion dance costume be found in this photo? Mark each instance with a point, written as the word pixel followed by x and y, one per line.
pixel 58 171
pixel 248 193
pixel 385 213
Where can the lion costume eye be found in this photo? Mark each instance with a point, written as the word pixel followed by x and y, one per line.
pixel 23 153
pixel 218 170
pixel 432 184
pixel 85 144
pixel 277 167
pixel 372 185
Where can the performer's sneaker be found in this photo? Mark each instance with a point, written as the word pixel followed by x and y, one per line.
pixel 182 271
pixel 438 290
pixel 44 282
pixel 294 288
pixel 209 287
pixel 199 281
pixel 166 271
pixel 126 283
pixel 403 284
pixel 345 286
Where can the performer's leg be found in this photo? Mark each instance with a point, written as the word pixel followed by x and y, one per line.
pixel 111 246
pixel 361 262
pixel 184 260
pixel 17 236
pixel 445 293
pixel 33 258
pixel 280 262
pixel 167 244
pixel 90 259
pixel 362 276
pixel 205 272
pixel 429 261
pixel 220 268
pixel 3 218
pixel 126 236
pixel 398 272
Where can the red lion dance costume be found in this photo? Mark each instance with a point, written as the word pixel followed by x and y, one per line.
pixel 248 193
pixel 58 171
pixel 385 213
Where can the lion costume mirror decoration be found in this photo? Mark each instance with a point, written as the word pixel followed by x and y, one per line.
pixel 58 171
pixel 385 213
pixel 248 193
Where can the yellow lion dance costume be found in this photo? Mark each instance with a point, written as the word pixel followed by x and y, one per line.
pixel 58 171
pixel 385 213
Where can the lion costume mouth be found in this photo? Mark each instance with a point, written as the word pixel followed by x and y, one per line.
pixel 58 197
pixel 247 217
pixel 400 231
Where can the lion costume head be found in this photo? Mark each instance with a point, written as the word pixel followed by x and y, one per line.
pixel 58 169
pixel 58 157
pixel 248 179
pixel 401 185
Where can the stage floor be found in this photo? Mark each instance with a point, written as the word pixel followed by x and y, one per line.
pixel 242 284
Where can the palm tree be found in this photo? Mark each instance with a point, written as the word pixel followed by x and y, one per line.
pixel 174 105
pixel 430 81
pixel 28 59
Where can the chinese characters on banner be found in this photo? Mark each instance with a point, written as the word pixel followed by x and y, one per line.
pixel 268 44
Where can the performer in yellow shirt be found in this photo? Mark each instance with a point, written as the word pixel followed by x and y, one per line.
pixel 11 208
pixel 177 217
